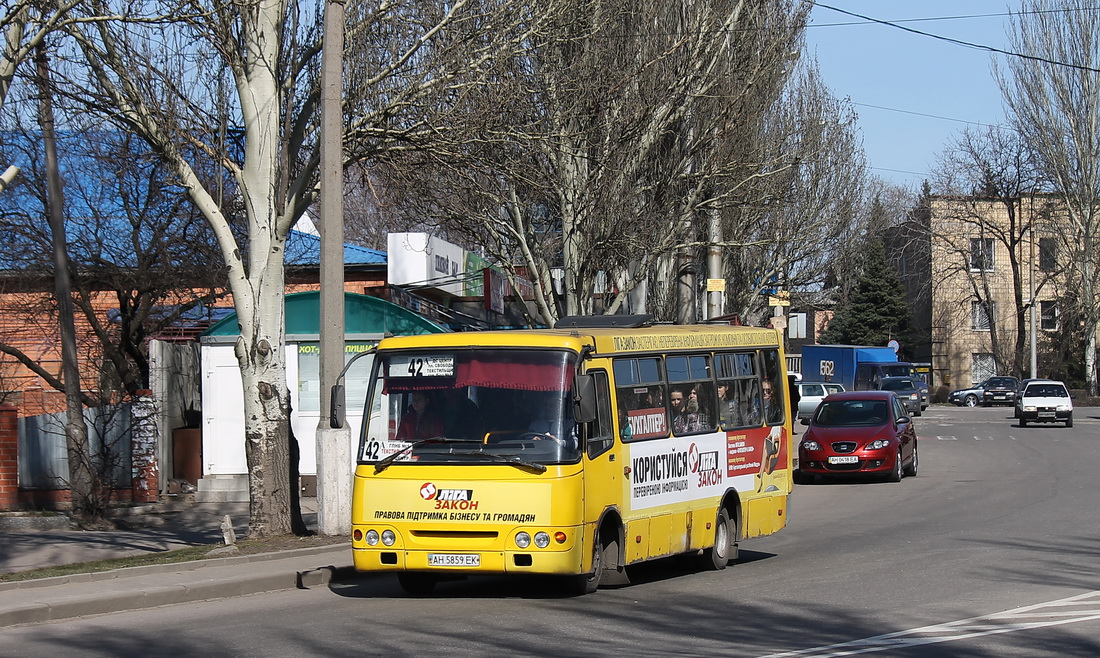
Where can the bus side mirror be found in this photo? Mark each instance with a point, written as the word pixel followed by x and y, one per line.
pixel 584 399
pixel 336 407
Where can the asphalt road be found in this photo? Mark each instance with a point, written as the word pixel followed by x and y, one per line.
pixel 990 551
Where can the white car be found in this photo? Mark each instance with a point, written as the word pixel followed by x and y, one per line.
pixel 812 393
pixel 1046 401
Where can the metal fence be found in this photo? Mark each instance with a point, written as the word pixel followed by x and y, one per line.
pixel 44 458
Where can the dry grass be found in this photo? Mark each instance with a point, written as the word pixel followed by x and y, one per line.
pixel 189 554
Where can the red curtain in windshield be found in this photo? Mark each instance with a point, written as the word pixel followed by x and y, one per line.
pixel 521 374
pixel 518 371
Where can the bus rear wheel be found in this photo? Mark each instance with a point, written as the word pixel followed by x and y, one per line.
pixel 718 556
pixel 416 584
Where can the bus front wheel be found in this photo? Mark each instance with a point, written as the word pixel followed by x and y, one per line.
pixel 718 556
pixel 604 553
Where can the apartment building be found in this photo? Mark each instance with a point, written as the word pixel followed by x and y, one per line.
pixel 998 287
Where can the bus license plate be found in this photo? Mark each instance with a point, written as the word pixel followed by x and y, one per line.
pixel 454 560
pixel 846 459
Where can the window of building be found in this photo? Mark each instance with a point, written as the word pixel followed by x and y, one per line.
pixel 982 366
pixel 981 315
pixel 1048 315
pixel 981 254
pixel 1048 254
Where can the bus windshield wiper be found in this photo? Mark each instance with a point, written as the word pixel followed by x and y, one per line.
pixel 385 463
pixel 511 461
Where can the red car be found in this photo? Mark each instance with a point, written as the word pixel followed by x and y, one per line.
pixel 858 432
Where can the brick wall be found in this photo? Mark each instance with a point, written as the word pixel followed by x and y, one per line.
pixel 9 457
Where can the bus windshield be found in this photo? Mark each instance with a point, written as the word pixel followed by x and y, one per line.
pixel 476 406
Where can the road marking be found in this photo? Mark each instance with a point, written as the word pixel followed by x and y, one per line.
pixel 946 438
pixel 1083 607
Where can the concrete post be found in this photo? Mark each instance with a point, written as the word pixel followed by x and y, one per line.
pixel 145 472
pixel 333 438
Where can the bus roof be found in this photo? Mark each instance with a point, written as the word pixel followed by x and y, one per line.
pixel 607 341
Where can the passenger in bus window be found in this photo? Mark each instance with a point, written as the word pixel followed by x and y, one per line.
pixel 702 401
pixel 750 402
pixel 773 410
pixel 420 420
pixel 548 415
pixel 728 413
pixel 626 432
pixel 461 416
pixel 686 417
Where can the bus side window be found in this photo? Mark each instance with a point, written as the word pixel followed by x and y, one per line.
pixel 601 432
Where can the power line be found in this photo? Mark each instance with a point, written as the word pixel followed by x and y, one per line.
pixel 948 18
pixel 959 42
pixel 922 114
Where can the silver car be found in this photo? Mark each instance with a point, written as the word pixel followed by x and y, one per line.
pixel 812 393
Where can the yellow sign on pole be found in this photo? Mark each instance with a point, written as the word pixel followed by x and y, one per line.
pixel 780 298
pixel 716 285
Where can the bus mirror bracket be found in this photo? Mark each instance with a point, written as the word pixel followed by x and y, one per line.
pixel 336 409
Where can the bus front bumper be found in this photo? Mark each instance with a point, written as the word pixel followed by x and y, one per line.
pixel 554 562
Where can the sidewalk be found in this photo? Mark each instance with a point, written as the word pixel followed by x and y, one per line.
pixel 63 597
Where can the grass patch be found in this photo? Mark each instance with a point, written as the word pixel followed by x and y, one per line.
pixel 189 554
pixel 160 557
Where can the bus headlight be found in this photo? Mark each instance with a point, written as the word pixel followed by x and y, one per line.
pixel 523 540
pixel 372 537
pixel 542 539
pixel 388 538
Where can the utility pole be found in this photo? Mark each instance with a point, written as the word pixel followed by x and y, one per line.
pixel 716 282
pixel 333 437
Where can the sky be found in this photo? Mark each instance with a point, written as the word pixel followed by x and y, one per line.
pixel 913 93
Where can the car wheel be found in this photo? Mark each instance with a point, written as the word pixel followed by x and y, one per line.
pixel 801 478
pixel 718 556
pixel 416 584
pixel 971 401
pixel 911 470
pixel 1023 421
pixel 917 412
pixel 1069 420
pixel 896 474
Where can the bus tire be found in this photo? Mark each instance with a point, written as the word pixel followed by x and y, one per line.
pixel 718 556
pixel 416 584
pixel 588 583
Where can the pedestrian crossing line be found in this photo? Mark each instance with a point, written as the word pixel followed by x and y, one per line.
pixel 1083 607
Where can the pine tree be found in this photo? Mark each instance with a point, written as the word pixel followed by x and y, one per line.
pixel 876 310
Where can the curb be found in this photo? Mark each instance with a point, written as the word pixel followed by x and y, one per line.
pixel 32 522
pixel 223 581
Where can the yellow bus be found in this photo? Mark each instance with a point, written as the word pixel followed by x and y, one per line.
pixel 574 451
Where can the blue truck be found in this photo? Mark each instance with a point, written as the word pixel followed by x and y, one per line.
pixel 857 367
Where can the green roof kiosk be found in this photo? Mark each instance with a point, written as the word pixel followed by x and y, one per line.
pixel 366 320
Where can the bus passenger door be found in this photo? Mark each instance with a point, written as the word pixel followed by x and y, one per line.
pixel 603 465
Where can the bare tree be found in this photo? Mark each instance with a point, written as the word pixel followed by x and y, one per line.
pixel 800 217
pixel 232 87
pixel 137 261
pixel 1054 100
pixel 24 26
pixel 135 246
pixel 607 146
